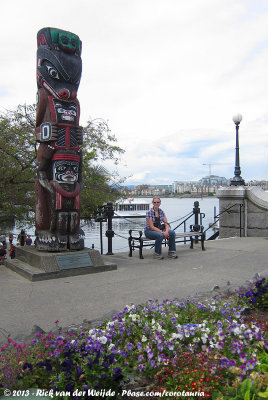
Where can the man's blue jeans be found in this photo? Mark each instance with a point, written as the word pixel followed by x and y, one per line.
pixel 158 237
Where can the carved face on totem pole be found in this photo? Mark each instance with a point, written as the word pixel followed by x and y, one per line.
pixel 59 68
pixel 65 171
pixel 59 64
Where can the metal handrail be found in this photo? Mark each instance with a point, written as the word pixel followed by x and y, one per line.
pixel 184 222
pixel 226 210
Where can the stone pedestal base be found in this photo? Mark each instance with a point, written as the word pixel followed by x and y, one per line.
pixel 36 266
pixel 247 211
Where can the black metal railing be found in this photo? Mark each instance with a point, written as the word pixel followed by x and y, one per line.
pixel 217 220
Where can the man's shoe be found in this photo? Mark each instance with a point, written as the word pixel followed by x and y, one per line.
pixel 158 256
pixel 172 254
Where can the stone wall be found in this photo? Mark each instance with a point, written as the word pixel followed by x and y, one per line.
pixel 244 211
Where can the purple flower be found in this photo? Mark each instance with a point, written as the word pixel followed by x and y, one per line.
pixel 46 364
pixel 220 345
pixel 129 346
pixel 250 364
pixel 243 357
pixel 152 362
pixel 66 365
pixel 160 347
pixel 170 346
pixel 224 361
pixel 69 388
pixel 139 346
pixel 141 367
pixel 117 374
pixel 231 363
pixel 27 366
pixel 124 353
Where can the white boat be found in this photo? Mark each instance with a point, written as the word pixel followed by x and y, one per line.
pixel 131 207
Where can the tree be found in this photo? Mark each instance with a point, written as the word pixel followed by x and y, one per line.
pixel 18 164
pixel 99 184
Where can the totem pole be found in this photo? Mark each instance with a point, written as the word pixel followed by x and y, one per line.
pixel 59 173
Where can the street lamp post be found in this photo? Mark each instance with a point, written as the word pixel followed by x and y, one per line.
pixel 237 179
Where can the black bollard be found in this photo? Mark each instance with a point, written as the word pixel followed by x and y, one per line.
pixel 196 226
pixel 196 211
pixel 110 232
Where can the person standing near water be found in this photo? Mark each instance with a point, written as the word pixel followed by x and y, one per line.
pixel 157 228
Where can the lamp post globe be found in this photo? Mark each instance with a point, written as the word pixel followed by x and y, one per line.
pixel 237 179
pixel 237 118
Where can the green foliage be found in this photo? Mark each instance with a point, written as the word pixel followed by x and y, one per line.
pixel 99 184
pixel 218 353
pixel 18 164
pixel 257 295
pixel 247 390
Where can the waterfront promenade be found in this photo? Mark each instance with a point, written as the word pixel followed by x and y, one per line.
pixel 227 263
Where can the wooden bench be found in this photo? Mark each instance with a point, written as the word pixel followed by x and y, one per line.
pixel 139 241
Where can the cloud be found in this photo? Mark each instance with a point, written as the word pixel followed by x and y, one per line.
pixel 168 76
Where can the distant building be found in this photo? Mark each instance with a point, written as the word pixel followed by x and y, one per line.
pixel 208 184
pixel 151 190
pixel 213 180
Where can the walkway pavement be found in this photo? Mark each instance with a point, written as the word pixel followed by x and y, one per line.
pixel 73 300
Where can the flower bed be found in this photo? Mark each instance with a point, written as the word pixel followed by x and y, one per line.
pixel 211 348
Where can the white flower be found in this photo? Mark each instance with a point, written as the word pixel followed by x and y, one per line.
pixel 103 339
pixel 134 317
pixel 110 324
pixel 204 338
pixel 237 331
pixel 144 339
pixel 175 336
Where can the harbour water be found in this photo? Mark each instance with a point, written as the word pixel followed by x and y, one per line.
pixel 175 209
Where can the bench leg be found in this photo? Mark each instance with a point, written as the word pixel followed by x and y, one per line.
pixel 192 243
pixel 130 247
pixel 203 242
pixel 140 249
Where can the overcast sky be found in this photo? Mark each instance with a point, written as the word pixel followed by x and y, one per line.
pixel 168 75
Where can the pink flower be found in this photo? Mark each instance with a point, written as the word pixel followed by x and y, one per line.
pixel 57 321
